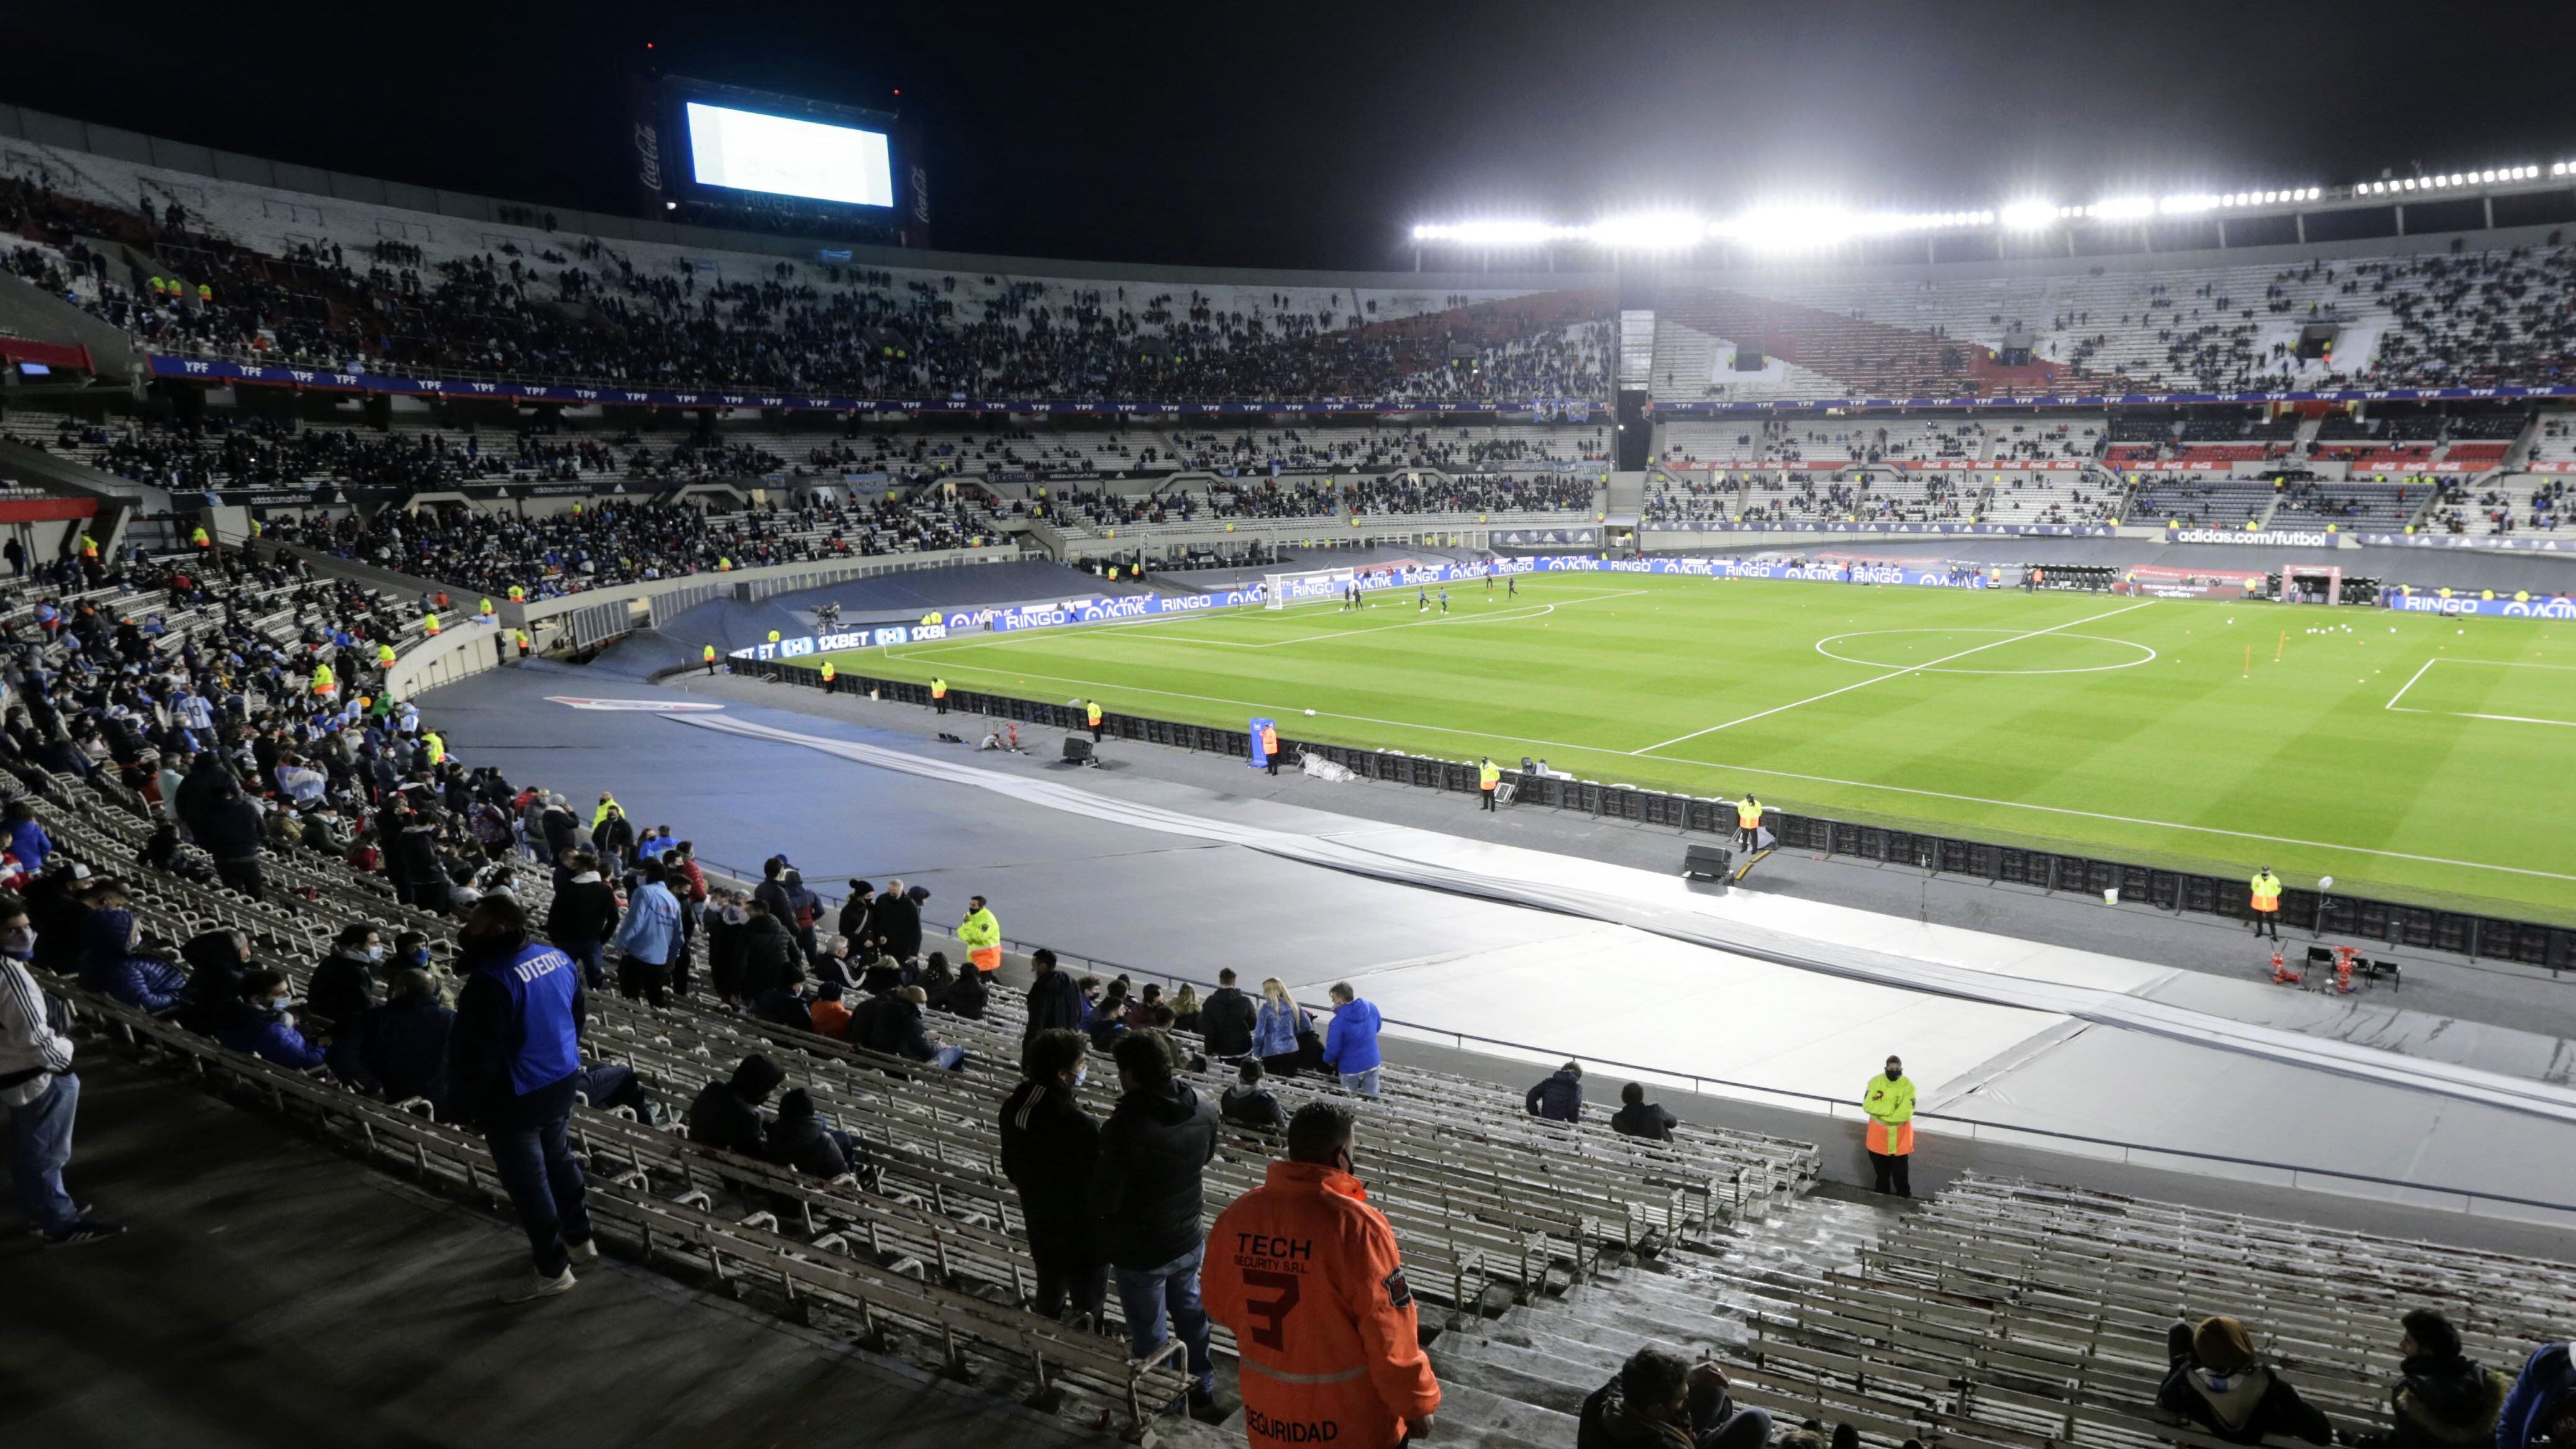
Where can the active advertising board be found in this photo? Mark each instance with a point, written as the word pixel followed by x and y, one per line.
pixel 2483 604
pixel 2259 537
pixel 1126 607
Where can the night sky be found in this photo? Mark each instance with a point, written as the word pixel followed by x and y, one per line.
pixel 1315 134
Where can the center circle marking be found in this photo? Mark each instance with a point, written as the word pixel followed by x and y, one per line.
pixel 2146 654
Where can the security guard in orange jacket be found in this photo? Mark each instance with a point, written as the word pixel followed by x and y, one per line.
pixel 1306 1274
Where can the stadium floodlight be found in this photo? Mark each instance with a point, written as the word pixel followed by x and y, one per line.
pixel 2123 208
pixel 1648 231
pixel 1791 228
pixel 2190 204
pixel 1491 234
pixel 2029 215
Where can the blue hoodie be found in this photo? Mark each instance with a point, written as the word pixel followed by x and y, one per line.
pixel 2542 1393
pixel 108 968
pixel 1350 1038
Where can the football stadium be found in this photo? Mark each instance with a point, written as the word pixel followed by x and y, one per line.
pixel 758 729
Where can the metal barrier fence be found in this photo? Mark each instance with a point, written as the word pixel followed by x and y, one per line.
pixel 2532 943
pixel 585 627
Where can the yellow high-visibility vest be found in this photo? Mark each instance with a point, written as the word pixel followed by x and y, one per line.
pixel 1091 712
pixel 1488 775
pixel 828 671
pixel 1748 814
pixel 1890 1106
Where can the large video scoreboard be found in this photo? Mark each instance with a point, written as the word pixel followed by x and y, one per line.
pixel 714 148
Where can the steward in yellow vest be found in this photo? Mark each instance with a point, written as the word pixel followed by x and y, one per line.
pixel 1889 1101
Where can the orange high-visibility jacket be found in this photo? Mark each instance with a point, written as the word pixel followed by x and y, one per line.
pixel 1306 1274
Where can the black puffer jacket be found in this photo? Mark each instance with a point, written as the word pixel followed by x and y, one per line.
pixel 1049 1149
pixel 1055 1003
pixel 897 924
pixel 2442 1401
pixel 770 958
pixel 1225 1022
pixel 966 995
pixel 1146 1199
pixel 583 912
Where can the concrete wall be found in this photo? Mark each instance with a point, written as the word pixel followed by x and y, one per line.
pixel 468 649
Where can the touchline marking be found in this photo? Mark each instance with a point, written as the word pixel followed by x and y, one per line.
pixel 1596 750
pixel 2507 718
pixel 1515 612
pixel 1893 673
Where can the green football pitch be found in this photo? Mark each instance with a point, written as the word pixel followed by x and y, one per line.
pixel 2416 757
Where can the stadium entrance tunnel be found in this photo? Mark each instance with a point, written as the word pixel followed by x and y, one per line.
pixel 1984 651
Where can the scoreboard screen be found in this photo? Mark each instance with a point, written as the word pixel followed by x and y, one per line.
pixel 742 150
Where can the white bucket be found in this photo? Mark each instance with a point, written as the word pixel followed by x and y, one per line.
pixel 2111 897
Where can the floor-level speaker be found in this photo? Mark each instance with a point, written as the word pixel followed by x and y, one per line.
pixel 1707 862
pixel 1077 750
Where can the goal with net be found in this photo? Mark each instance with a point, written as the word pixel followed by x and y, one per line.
pixel 1278 591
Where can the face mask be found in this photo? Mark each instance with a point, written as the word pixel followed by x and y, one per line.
pixel 279 1005
pixel 375 953
pixel 21 944
pixel 1894 1072
pixel 1081 1075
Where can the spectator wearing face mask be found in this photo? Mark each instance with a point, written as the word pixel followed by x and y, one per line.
pixel 263 1024
pixel 400 1049
pixel 115 964
pixel 343 988
pixel 40 1092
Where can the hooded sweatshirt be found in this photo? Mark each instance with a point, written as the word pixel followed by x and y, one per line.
pixel 110 967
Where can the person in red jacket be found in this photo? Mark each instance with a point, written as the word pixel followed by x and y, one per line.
pixel 1306 1273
